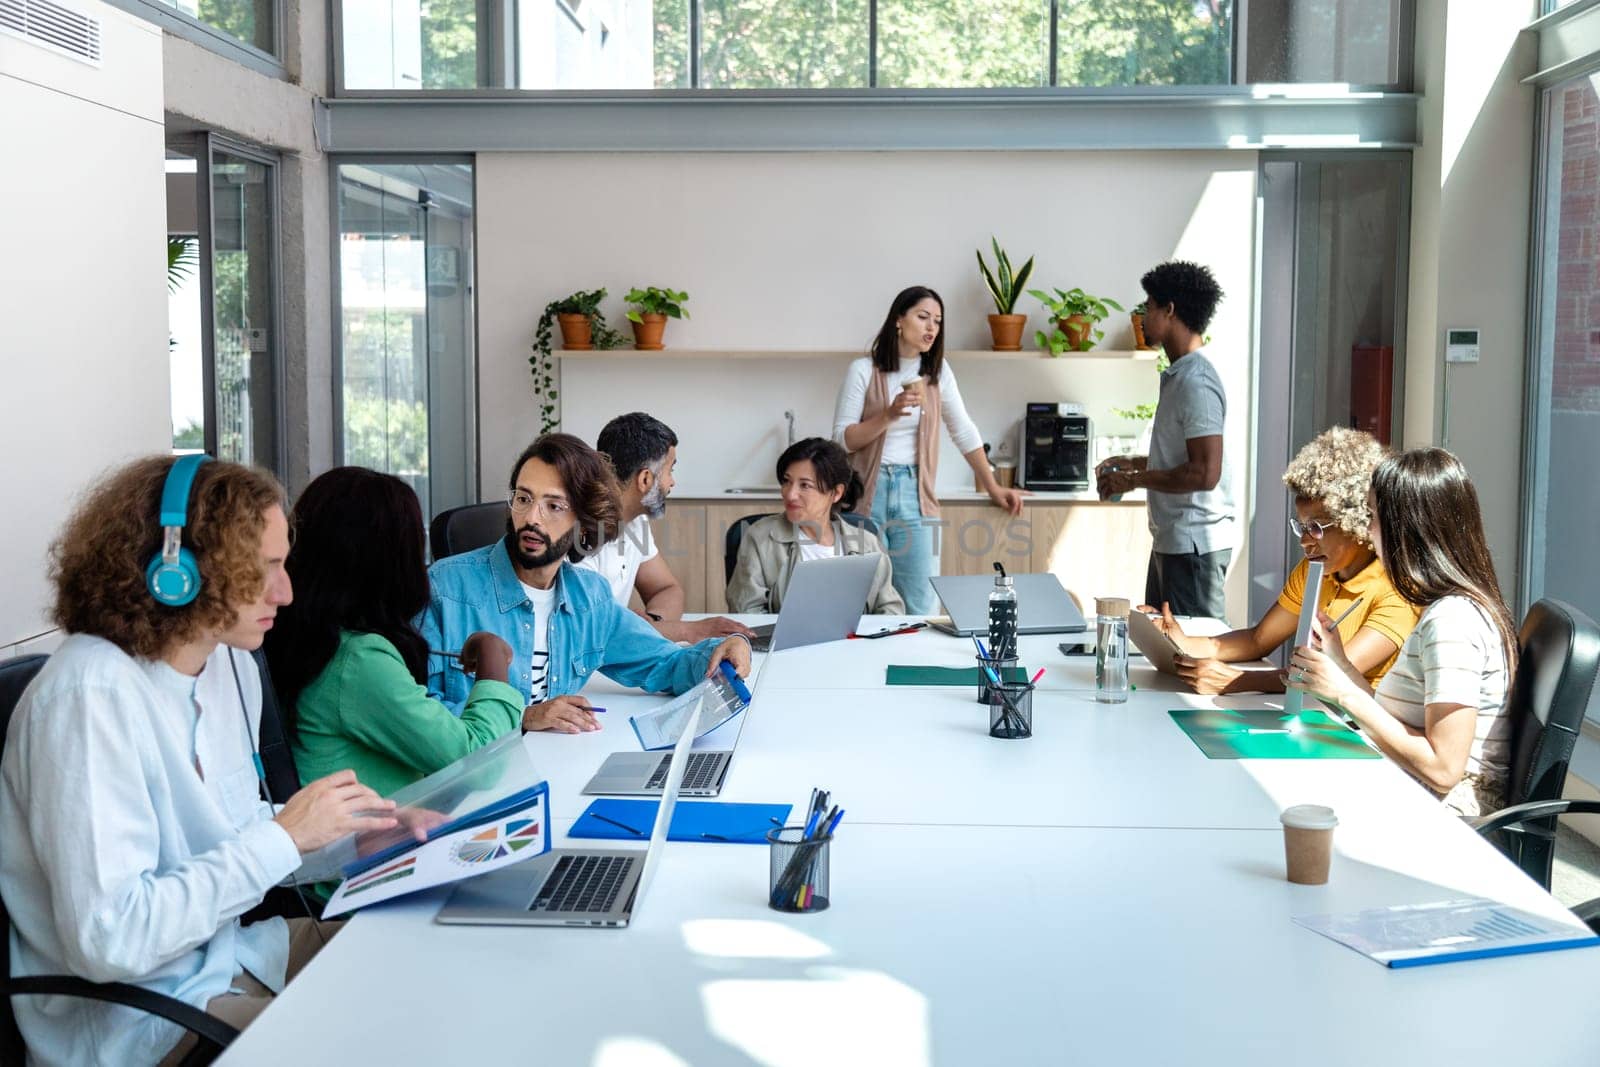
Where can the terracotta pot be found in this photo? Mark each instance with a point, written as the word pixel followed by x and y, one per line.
pixel 576 333
pixel 1077 328
pixel 647 334
pixel 1007 332
pixel 1138 330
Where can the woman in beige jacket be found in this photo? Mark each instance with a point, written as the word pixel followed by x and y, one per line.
pixel 818 485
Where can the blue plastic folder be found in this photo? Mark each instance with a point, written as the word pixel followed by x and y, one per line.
pixel 742 824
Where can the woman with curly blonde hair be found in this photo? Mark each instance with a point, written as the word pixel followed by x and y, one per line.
pixel 1329 478
pixel 132 813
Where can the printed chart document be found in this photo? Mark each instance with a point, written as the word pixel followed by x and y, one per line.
pixel 1310 604
pixel 725 695
pixel 486 810
pixel 1414 935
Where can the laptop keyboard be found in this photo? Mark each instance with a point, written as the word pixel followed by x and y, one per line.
pixel 701 774
pixel 583 883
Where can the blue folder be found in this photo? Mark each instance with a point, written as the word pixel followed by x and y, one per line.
pixel 708 820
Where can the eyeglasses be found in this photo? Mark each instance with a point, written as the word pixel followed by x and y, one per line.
pixel 1315 529
pixel 522 502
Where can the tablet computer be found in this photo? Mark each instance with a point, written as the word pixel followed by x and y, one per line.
pixel 1157 647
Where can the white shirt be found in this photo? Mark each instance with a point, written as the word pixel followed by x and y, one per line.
pixel 1454 656
pixel 544 602
pixel 812 550
pixel 619 561
pixel 121 862
pixel 900 440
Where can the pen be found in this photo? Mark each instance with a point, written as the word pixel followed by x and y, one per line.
pixel 838 813
pixel 908 629
pixel 1039 674
pixel 984 652
pixel 1346 613
pixel 446 655
pixel 593 708
pixel 619 825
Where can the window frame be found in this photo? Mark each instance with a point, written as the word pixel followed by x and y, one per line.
pixel 207 36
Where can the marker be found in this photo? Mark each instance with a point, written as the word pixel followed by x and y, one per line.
pixel 619 825
pixel 1039 674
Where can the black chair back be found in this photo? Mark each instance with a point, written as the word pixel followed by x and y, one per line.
pixel 735 534
pixel 463 529
pixel 15 674
pixel 277 760
pixel 1558 656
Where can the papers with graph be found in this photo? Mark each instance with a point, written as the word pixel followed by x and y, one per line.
pixel 1445 931
pixel 725 696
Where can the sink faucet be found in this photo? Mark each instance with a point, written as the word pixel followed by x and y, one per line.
pixel 790 416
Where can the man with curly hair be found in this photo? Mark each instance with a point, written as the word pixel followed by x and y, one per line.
pixel 1329 479
pixel 561 621
pixel 1190 491
pixel 135 832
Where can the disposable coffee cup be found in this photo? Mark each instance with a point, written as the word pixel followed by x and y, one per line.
pixel 1308 842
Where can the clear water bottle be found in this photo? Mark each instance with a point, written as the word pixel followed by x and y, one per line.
pixel 1111 650
pixel 1002 616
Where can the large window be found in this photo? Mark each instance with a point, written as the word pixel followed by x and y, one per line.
pixel 1563 509
pixel 405 307
pixel 390 45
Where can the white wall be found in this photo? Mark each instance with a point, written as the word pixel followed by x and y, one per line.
pixel 1469 256
pixel 805 250
pixel 83 333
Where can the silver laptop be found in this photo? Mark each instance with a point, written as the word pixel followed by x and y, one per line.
pixel 643 774
pixel 1043 605
pixel 574 887
pixel 825 600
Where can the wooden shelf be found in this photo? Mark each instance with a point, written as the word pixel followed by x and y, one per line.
pixel 963 355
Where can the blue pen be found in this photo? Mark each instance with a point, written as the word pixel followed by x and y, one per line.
pixel 833 822
pixel 735 681
pixel 811 825
pixel 984 652
pixel 993 677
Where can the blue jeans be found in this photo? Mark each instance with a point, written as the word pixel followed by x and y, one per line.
pixel 906 536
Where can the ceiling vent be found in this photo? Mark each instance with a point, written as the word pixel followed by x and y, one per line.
pixel 60 29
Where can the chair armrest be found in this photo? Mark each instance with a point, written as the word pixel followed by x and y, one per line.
pixel 1537 809
pixel 208 1028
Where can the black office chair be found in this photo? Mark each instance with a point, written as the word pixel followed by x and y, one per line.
pixel 214 1035
pixel 458 530
pixel 1557 659
pixel 283 781
pixel 735 534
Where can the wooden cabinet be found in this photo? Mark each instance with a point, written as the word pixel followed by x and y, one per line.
pixel 1096 549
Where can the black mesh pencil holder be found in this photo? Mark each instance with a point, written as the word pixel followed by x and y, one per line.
pixel 999 666
pixel 1011 711
pixel 798 876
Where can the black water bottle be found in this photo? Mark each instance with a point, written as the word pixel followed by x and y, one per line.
pixel 1002 616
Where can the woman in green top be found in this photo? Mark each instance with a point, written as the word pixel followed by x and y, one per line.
pixel 346 661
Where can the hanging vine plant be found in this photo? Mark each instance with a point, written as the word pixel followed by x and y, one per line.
pixel 587 306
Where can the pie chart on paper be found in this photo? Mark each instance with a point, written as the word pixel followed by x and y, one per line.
pixel 495 842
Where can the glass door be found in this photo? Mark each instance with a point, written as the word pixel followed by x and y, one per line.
pixel 239 267
pixel 1334 233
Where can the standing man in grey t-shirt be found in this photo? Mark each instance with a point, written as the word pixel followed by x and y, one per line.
pixel 1190 492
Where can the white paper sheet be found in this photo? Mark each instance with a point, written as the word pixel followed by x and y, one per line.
pixel 660 727
pixel 1409 935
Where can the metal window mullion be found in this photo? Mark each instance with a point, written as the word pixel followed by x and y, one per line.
pixel 1055 39
pixel 694 44
pixel 872 44
pixel 208 311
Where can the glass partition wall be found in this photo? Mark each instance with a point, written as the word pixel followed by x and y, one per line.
pixel 404 268
pixel 409 45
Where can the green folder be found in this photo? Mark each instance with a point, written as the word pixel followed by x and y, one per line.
pixel 900 674
pixel 1224 733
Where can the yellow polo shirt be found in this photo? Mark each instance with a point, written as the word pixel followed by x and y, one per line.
pixel 1381 610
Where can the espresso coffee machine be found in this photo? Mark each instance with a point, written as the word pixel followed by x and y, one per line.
pixel 1055 447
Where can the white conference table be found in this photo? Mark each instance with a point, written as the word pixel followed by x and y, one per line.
pixel 1100 893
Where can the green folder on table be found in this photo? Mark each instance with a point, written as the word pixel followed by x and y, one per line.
pixel 912 674
pixel 1227 733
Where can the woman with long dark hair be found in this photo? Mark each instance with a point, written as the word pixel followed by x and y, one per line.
pixel 818 486
pixel 347 662
pixel 1440 710
pixel 887 417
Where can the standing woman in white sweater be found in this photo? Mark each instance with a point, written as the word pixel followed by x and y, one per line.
pixel 888 414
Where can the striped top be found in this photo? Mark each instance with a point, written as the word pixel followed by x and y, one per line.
pixel 1454 656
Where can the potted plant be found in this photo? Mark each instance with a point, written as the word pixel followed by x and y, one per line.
pixel 1077 313
pixel 648 310
pixel 1137 317
pixel 582 307
pixel 1005 326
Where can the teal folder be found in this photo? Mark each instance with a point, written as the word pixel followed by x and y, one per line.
pixel 706 820
pixel 902 674
pixel 1225 733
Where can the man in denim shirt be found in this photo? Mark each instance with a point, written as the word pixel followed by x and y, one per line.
pixel 561 621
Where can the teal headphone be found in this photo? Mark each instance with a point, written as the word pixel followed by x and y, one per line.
pixel 173 576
